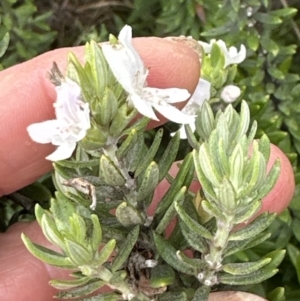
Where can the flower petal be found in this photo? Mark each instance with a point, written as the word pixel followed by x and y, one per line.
pixel 169 95
pixel 202 92
pixel 64 151
pixel 173 114
pixel 125 62
pixel 125 38
pixel 43 132
pixel 142 106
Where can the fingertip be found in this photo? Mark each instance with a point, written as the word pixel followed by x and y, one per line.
pixel 19 269
pixel 282 193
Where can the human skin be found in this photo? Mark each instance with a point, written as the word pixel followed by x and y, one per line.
pixel 26 98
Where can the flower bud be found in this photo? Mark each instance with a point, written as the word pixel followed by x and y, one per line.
pixel 230 93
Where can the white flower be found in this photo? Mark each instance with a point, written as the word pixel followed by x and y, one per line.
pixel 129 70
pixel 231 54
pixel 230 93
pixel 201 94
pixel 71 123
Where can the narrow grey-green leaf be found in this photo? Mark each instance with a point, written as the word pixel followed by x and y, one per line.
pixel 173 296
pixel 106 252
pixel 46 255
pixel 96 236
pixel 171 212
pixel 126 248
pixel 4 44
pixel 125 146
pixel 236 246
pixel 168 253
pixel 148 158
pixel 128 215
pixel 270 180
pixel 202 293
pixel 192 224
pixel 68 284
pixel 252 278
pixel 111 172
pixel 245 267
pixel 78 164
pixel 168 156
pixel 77 253
pixel 149 182
pixel 255 227
pixel 82 290
pixel 247 212
pixel 264 147
pixel 50 231
pixel 186 169
pixel 191 137
pixel 244 121
pixel 194 240
pixel 212 209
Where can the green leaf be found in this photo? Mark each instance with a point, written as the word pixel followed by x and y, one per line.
pixel 207 165
pixel 227 196
pixel 294 255
pixel 192 224
pixel 267 18
pixel 236 246
pixel 247 212
pixel 252 278
pixel 78 164
pixel 108 107
pixel 194 240
pixel 97 62
pixel 78 254
pixel 205 121
pixel 168 156
pixel 276 256
pixel 270 180
pixel 149 182
pixel 191 137
pixel 235 4
pixel 171 212
pixel 202 293
pixel 82 290
pixel 106 252
pixel 162 275
pixel 126 248
pixel 148 158
pixel 50 231
pixel 111 172
pixel 285 12
pixel 127 143
pixel 4 44
pixel 169 255
pixel 183 178
pixel 245 267
pixel 128 215
pixel 67 284
pixel 96 236
pixel 264 147
pixel 254 228
pixel 278 294
pixel 46 255
pixel 173 296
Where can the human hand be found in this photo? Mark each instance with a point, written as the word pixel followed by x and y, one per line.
pixel 26 98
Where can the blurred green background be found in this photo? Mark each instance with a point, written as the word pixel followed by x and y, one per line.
pixel 269 78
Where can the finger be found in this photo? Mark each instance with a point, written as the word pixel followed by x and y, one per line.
pixel 22 276
pixel 27 97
